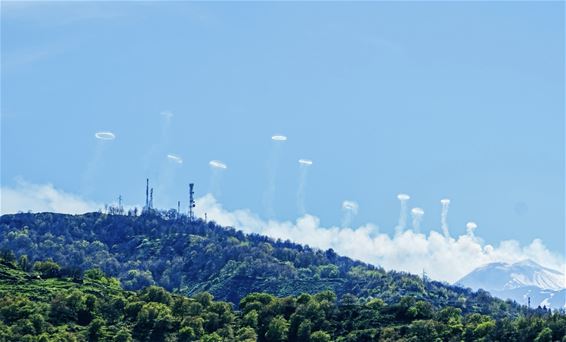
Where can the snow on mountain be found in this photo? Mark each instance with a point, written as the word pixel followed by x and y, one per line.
pixel 519 281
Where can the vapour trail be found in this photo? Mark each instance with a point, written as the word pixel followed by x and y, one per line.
pixel 470 228
pixel 216 170
pixel 304 165
pixel 417 214
pixel 272 166
pixel 103 141
pixel 444 216
pixel 403 198
pixel 349 209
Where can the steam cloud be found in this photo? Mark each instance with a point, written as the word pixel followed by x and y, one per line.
pixel 443 258
pixel 175 158
pixel 350 209
pixel 470 227
pixel 103 139
pixel 217 167
pixel 417 214
pixel 444 216
pixel 272 173
pixel 165 169
pixel 403 198
pixel 301 192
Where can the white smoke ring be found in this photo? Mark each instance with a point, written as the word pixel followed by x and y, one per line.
pixel 105 135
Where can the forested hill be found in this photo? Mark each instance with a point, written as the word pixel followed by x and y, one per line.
pixel 41 306
pixel 193 257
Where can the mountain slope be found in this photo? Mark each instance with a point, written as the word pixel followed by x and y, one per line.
pixel 192 257
pixel 95 308
pixel 520 281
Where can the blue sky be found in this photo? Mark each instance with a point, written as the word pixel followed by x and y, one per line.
pixel 456 100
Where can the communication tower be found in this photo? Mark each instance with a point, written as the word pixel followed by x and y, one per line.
pixel 191 202
pixel 146 193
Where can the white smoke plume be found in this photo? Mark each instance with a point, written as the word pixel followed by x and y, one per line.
pixel 444 216
pixel 349 209
pixel 175 158
pixel 304 165
pixel 163 171
pixel 273 164
pixel 160 142
pixel 216 170
pixel 470 228
pixel 103 141
pixel 443 258
pixel 403 198
pixel 417 214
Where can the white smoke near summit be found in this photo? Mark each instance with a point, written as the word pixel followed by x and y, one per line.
pixel 349 210
pixel 272 166
pixel 217 168
pixel 104 139
pixel 443 258
pixel 304 165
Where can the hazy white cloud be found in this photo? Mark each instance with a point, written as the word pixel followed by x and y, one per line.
pixel 40 198
pixel 442 257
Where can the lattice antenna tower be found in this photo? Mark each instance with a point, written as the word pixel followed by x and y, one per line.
pixel 191 202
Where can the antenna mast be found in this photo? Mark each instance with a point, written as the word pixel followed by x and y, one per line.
pixel 178 209
pixel 147 193
pixel 120 208
pixel 151 198
pixel 191 202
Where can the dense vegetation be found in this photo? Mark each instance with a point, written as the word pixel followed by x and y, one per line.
pixel 193 257
pixel 41 305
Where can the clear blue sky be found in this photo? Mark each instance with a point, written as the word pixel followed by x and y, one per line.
pixel 447 99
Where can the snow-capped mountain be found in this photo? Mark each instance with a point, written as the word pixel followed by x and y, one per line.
pixel 519 281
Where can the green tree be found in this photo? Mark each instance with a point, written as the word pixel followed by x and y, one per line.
pixel 95 330
pixel 320 336
pixel 47 269
pixel 153 322
pixel 304 331
pixel 423 330
pixel 123 336
pixel 277 330
pixel 186 334
pixel 156 294
pixel 23 263
pixel 545 335
pixel 246 334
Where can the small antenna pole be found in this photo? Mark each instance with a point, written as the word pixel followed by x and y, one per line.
pixel 178 208
pixel 151 198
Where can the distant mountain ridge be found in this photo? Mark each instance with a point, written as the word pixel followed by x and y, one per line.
pixel 520 281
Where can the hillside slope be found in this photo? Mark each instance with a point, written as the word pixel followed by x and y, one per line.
pixel 192 257
pixel 96 308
